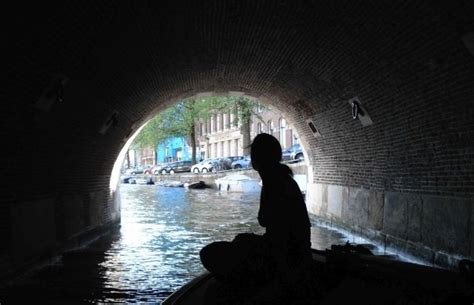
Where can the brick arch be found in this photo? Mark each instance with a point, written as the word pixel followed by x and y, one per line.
pixel 113 64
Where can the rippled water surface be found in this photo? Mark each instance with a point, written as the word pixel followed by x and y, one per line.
pixel 163 230
pixel 154 252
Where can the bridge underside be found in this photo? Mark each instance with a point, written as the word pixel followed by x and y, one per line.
pixel 82 78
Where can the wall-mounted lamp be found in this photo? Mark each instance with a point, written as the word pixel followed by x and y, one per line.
pixel 359 112
pixel 355 110
pixel 313 128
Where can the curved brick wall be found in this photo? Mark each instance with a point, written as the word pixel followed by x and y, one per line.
pixel 407 179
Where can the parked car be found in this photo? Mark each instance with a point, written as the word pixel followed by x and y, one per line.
pixel 245 162
pixel 295 152
pixel 204 166
pixel 134 170
pixel 156 170
pixel 235 158
pixel 177 167
pixel 147 169
pixel 224 163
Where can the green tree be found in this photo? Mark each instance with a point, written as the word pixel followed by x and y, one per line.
pixel 245 109
pixel 177 121
pixel 180 120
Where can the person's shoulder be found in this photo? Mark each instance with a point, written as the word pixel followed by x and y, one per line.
pixel 289 179
pixel 292 185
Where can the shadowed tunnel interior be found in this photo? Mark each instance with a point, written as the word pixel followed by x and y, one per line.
pixel 81 78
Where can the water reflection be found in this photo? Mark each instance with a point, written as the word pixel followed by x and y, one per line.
pixel 156 249
pixel 163 230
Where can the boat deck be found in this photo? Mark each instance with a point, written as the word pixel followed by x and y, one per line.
pixel 341 279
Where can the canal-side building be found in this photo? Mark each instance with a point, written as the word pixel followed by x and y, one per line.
pixel 173 149
pixel 221 135
pixel 170 150
pixel 147 156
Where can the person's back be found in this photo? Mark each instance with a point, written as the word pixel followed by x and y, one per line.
pixel 283 213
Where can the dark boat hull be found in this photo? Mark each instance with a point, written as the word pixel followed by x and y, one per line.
pixel 342 278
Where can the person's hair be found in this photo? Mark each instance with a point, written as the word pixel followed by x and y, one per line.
pixel 265 150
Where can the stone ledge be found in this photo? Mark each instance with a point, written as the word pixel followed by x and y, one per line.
pixel 435 229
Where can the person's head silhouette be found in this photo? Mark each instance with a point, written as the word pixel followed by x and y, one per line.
pixel 265 152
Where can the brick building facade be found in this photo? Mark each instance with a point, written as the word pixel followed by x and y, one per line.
pixel 221 136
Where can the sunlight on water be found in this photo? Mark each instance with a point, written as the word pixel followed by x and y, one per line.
pixel 163 230
pixel 156 250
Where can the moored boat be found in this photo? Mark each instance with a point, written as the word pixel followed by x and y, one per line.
pixel 341 277
pixel 237 183
pixel 196 185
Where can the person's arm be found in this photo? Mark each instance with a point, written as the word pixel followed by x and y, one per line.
pixel 262 211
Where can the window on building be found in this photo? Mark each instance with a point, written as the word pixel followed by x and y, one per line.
pixel 228 120
pixel 236 152
pixel 214 123
pixel 270 126
pixel 221 121
pixel 282 123
pixel 259 128
pixel 259 107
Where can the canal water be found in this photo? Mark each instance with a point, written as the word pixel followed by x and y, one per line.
pixel 155 251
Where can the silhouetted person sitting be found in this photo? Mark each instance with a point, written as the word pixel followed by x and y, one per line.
pixel 284 251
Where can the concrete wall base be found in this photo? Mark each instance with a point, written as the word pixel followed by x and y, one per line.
pixel 435 229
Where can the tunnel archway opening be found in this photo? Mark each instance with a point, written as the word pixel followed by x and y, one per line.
pixel 285 132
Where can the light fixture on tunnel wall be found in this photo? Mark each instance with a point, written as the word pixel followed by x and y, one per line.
pixel 110 122
pixel 356 110
pixel 359 112
pixel 313 128
pixel 54 93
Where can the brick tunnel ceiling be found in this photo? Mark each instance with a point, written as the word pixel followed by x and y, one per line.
pixel 402 61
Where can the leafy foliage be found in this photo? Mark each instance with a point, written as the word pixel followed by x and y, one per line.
pixel 180 120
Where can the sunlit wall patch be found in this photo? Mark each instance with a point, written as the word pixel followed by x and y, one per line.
pixel 115 175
